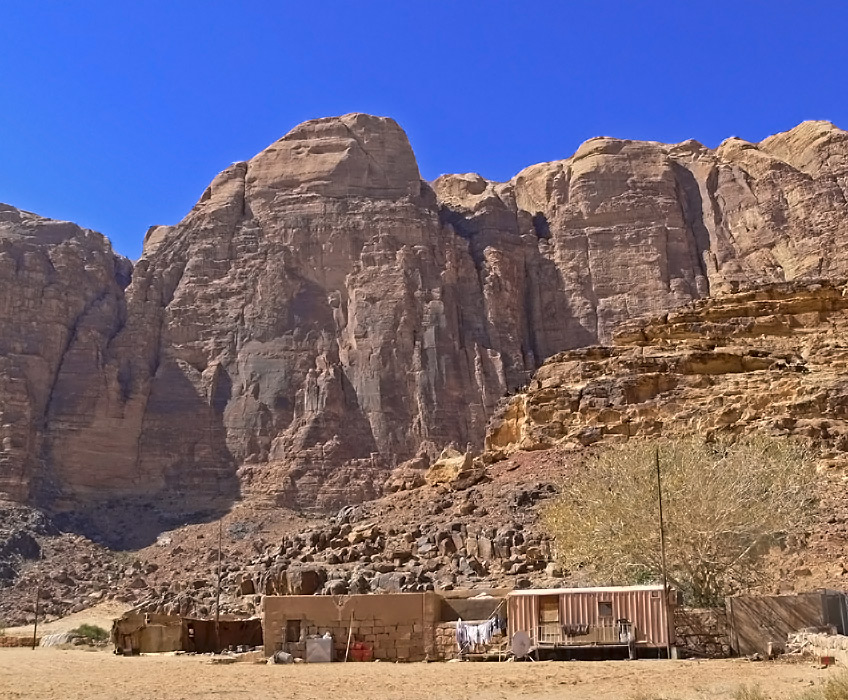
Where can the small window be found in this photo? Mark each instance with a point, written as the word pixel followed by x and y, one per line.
pixel 292 630
pixel 604 608
pixel 655 594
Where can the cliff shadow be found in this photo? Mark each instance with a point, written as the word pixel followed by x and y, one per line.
pixel 692 205
pixel 183 454
pixel 553 326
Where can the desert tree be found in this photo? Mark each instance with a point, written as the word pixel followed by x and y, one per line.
pixel 725 503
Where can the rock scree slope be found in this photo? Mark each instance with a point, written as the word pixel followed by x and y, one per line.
pixel 323 314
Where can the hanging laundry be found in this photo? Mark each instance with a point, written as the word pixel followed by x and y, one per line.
pixel 480 633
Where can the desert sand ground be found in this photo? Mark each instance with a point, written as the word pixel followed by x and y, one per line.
pixel 101 615
pixel 57 674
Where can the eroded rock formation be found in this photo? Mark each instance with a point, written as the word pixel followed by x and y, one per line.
pixel 771 361
pixel 322 314
pixel 61 305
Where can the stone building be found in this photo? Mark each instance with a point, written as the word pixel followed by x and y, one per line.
pixel 392 626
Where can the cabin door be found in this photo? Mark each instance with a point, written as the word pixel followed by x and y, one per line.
pixel 549 623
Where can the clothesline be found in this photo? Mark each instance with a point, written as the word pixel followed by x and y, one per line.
pixel 481 632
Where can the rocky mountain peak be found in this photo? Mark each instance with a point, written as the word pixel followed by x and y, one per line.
pixel 813 147
pixel 356 155
pixel 321 315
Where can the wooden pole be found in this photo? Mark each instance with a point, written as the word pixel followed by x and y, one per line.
pixel 35 623
pixel 218 595
pixel 669 622
pixel 349 636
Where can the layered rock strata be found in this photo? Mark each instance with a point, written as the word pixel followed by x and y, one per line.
pixel 322 314
pixel 61 306
pixel 770 361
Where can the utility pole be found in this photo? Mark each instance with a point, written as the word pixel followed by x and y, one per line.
pixel 218 596
pixel 669 621
pixel 35 624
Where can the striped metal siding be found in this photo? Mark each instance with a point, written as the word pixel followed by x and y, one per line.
pixel 522 615
pixel 644 608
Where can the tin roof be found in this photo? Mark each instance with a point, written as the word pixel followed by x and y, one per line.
pixel 586 589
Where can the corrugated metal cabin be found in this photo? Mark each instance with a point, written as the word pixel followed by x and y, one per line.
pixel 561 618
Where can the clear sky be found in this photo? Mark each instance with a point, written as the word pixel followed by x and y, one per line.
pixel 116 115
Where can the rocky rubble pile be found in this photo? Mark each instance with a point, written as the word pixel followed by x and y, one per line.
pixel 355 552
pixel 71 573
pixel 431 537
pixel 20 528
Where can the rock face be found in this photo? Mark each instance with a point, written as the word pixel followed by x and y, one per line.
pixel 322 314
pixel 61 305
pixel 768 361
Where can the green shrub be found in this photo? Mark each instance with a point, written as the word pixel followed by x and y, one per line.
pixel 92 632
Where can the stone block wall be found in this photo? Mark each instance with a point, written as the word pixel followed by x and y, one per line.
pixel 446 647
pixel 818 644
pixel 388 642
pixel 397 627
pixel 18 641
pixel 702 632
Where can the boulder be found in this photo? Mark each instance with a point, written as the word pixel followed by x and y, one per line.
pixel 336 587
pixel 391 582
pixel 553 570
pixel 402 479
pixel 454 469
pixel 304 581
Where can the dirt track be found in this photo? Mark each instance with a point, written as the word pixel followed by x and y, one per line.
pixel 53 674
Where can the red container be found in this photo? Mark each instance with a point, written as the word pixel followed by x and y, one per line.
pixel 360 651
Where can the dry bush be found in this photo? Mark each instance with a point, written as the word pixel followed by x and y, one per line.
pixel 750 692
pixel 651 695
pixel 724 506
pixel 834 688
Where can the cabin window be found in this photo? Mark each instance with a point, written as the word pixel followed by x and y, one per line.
pixel 604 608
pixel 292 630
pixel 655 594
pixel 549 609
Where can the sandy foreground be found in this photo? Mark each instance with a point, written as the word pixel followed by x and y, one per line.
pixel 54 674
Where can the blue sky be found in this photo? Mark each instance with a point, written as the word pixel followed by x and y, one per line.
pixel 117 115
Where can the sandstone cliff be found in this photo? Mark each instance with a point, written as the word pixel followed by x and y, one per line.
pixel 323 314
pixel 61 305
pixel 770 361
